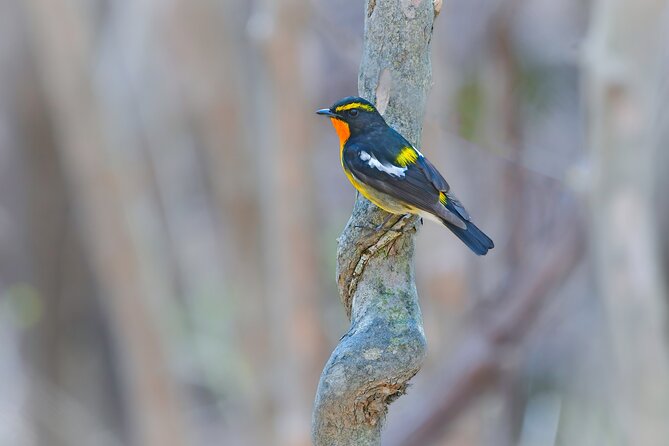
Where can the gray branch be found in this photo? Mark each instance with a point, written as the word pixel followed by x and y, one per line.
pixel 385 346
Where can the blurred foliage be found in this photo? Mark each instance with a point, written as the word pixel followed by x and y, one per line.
pixel 470 108
pixel 22 306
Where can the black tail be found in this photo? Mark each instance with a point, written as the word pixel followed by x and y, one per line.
pixel 472 237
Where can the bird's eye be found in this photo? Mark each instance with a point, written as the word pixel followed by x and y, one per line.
pixel 353 113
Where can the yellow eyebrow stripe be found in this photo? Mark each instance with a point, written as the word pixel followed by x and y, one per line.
pixel 406 156
pixel 359 105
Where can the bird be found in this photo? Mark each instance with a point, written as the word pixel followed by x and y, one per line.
pixel 393 174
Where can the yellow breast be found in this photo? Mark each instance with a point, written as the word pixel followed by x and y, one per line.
pixel 384 201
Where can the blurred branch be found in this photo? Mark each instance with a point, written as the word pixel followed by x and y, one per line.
pixel 63 36
pixel 283 159
pixel 507 104
pixel 481 358
pixel 385 345
pixel 624 66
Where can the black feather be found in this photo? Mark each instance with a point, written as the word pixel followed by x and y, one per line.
pixel 472 236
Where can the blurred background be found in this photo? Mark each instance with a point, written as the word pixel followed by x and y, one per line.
pixel 170 203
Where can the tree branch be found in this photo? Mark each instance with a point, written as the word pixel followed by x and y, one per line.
pixel 385 345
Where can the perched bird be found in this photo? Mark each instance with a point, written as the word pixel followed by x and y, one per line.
pixel 393 174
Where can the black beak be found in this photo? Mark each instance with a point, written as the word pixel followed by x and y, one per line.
pixel 327 112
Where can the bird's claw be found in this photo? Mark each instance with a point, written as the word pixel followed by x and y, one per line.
pixel 378 227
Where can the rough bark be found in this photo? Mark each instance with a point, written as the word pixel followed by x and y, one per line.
pixel 624 79
pixel 385 344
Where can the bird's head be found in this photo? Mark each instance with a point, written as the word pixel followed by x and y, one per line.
pixel 351 116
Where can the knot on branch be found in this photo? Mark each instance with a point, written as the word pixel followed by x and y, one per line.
pixel 437 6
pixel 371 405
pixel 356 250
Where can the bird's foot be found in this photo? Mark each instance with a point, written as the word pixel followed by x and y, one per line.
pixel 376 228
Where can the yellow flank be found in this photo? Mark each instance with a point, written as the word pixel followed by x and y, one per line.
pixel 406 156
pixel 368 193
pixel 359 105
pixel 382 201
pixel 385 202
pixel 442 198
pixel 358 185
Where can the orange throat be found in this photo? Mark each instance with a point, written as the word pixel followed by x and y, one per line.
pixel 343 132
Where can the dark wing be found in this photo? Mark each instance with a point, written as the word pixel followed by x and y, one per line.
pixel 417 184
pixel 432 174
pixel 439 183
pixel 458 207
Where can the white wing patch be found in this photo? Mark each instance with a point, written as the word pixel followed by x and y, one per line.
pixel 395 171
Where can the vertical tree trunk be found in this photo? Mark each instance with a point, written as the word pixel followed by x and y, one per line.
pixel 623 63
pixel 385 345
